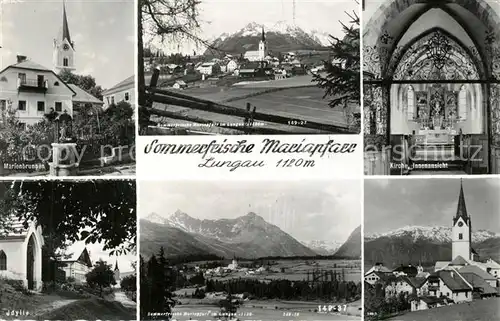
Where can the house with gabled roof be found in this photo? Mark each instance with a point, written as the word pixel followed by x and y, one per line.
pixel 488 278
pixel 21 253
pixel 450 284
pixel 32 90
pixel 76 263
pixel 122 91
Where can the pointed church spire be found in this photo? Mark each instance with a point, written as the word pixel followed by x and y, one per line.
pixel 263 35
pixel 461 209
pixel 116 265
pixel 65 29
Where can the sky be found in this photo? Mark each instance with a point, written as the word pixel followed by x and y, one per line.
pixel 103 32
pixel 228 16
pixel 307 210
pixel 396 203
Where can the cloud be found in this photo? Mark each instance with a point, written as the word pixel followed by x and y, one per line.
pixel 130 39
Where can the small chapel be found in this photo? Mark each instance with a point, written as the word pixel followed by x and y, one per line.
pixel 21 254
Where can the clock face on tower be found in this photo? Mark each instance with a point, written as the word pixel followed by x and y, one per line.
pixel 66 47
pixel 460 224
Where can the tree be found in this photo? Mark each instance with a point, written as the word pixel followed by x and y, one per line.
pixel 18 144
pixel 117 124
pixel 129 283
pixel 97 211
pixel 343 75
pixel 85 82
pixel 101 276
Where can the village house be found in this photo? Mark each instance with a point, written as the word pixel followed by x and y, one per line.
pixel 33 90
pixel 83 101
pixel 179 84
pixel 492 268
pixel 428 302
pixel 123 91
pixel 21 254
pixel 451 285
pixel 400 285
pixel 77 263
pixel 376 276
pixel 209 68
pixel 488 278
pixel 405 270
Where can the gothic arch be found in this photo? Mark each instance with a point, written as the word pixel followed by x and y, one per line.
pixel 380 43
pixel 464 58
pixel 3 261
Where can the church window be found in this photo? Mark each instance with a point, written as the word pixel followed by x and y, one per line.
pixel 65 62
pixel 460 236
pixel 59 106
pixel 56 83
pixel 411 103
pixel 3 261
pixel 462 103
pixel 40 106
pixel 127 96
pixel 112 100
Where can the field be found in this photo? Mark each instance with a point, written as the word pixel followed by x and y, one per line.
pixel 296 270
pixel 481 310
pixel 295 98
pixel 268 311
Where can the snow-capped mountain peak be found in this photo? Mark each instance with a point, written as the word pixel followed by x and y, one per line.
pixel 323 247
pixel 253 29
pixel 156 218
pixel 438 234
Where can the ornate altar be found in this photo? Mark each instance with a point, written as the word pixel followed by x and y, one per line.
pixel 437 108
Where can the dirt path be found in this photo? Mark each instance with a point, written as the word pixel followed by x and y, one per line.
pixel 123 299
pixel 53 305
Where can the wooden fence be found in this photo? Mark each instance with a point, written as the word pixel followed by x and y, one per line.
pixel 248 116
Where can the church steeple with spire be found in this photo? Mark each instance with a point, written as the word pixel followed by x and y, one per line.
pixel 461 230
pixel 262 46
pixel 64 47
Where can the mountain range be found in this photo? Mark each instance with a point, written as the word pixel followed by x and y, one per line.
pixel 248 236
pixel 426 245
pixel 280 37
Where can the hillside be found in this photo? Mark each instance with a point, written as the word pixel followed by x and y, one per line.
pixel 280 37
pixel 248 236
pixel 352 247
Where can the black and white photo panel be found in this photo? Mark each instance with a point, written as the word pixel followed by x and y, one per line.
pixel 440 259
pixel 431 86
pixel 246 67
pixel 250 251
pixel 67 88
pixel 68 250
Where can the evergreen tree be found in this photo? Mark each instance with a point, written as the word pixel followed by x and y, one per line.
pixel 342 79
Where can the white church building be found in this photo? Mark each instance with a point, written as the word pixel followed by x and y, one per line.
pixel 461 237
pixel 21 254
pixel 258 55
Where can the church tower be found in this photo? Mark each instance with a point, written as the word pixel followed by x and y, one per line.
pixel 262 46
pixel 117 273
pixel 64 48
pixel 461 231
